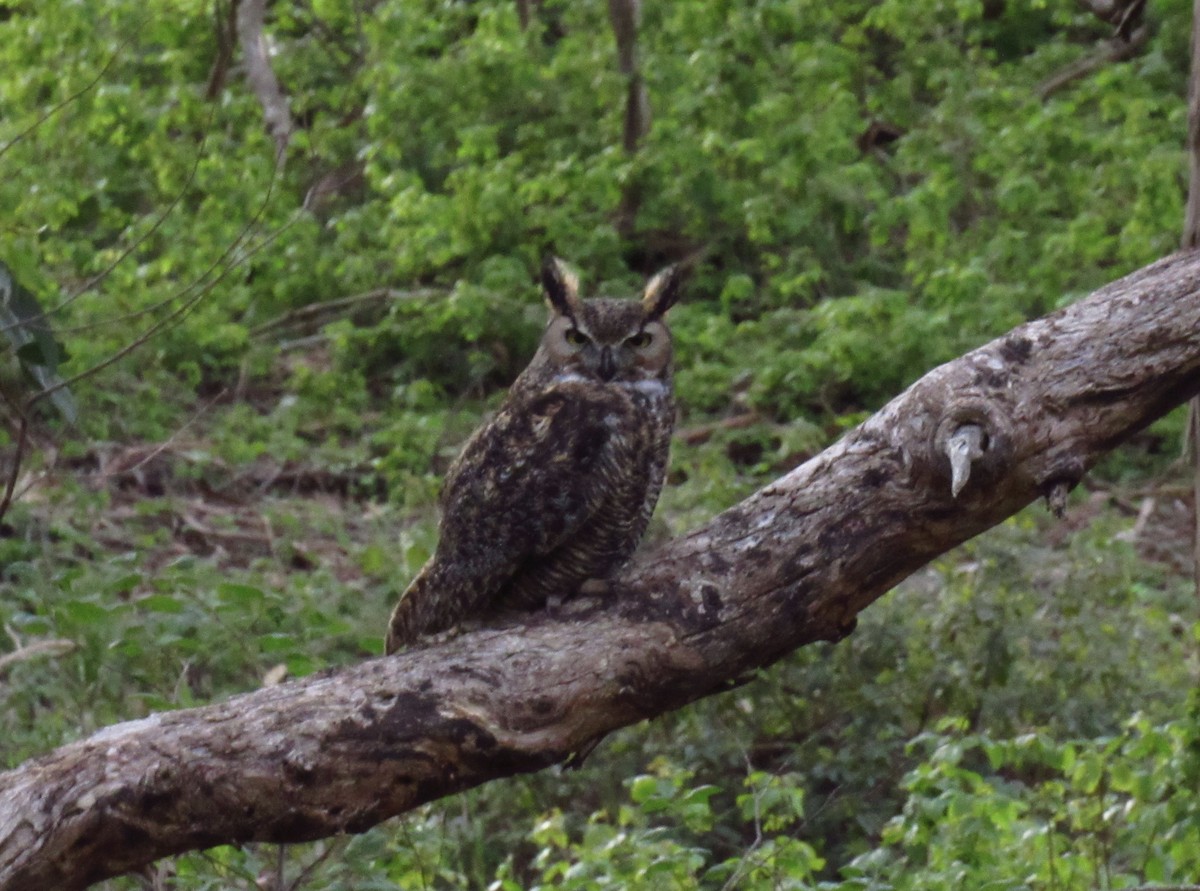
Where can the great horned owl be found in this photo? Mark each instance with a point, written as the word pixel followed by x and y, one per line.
pixel 557 488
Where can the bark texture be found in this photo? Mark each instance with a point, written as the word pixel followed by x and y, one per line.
pixel 792 564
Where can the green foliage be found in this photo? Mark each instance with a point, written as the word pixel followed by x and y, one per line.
pixel 151 638
pixel 660 839
pixel 1036 813
pixel 1015 716
pixel 481 146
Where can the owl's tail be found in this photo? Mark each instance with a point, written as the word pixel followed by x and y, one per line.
pixel 409 619
pixel 428 606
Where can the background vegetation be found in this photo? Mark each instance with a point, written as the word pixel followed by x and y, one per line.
pixel 876 187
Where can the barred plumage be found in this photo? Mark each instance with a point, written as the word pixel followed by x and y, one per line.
pixel 558 487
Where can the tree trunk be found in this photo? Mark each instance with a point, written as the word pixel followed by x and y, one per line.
pixel 1024 416
pixel 625 17
pixel 251 18
pixel 1191 239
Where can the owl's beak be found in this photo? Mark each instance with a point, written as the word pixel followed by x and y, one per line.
pixel 608 365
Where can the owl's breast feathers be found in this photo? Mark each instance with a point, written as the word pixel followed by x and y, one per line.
pixel 556 489
pixel 543 468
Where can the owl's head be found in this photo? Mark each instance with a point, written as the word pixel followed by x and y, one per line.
pixel 605 339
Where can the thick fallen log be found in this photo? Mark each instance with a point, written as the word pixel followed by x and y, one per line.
pixel 1023 417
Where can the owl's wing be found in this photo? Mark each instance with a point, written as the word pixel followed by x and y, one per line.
pixel 528 481
pixel 532 477
pixel 525 483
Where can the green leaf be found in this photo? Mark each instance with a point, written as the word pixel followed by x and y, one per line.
pixel 124 584
pixel 240 595
pixel 161 603
pixel 84 613
pixel 276 642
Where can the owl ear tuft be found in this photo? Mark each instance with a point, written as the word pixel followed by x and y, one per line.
pixel 561 288
pixel 663 290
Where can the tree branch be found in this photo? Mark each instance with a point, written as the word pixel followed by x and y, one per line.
pixel 251 16
pixel 625 17
pixel 225 32
pixel 1191 222
pixel 794 563
pixel 35 650
pixel 314 315
pixel 1116 49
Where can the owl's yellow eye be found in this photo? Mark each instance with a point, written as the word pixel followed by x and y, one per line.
pixel 575 337
pixel 639 340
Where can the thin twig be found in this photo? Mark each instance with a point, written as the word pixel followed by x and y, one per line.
pixel 171 319
pixel 55 109
pixel 734 881
pixel 166 443
pixel 702 433
pixel 336 845
pixel 177 315
pixel 315 310
pixel 225 34
pixel 35 650
pixel 18 455
pixel 1114 50
pixel 625 16
pixel 107 270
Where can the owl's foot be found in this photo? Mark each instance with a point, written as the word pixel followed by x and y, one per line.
pixel 602 588
pixel 591 595
pixel 395 643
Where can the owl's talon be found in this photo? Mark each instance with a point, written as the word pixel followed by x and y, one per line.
pixel 602 588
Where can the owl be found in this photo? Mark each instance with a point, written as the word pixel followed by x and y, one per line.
pixel 557 488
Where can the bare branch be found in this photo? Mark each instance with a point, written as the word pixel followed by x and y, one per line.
pixel 794 563
pixel 195 292
pixel 1117 49
pixel 526 10
pixel 625 16
pixel 225 32
pixel 36 650
pixel 14 471
pixel 59 106
pixel 316 314
pixel 198 289
pixel 251 16
pixel 1191 226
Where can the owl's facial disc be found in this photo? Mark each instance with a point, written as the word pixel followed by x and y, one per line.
pixel 609 341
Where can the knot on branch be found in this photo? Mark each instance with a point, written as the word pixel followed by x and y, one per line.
pixel 1057 483
pixel 973 441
